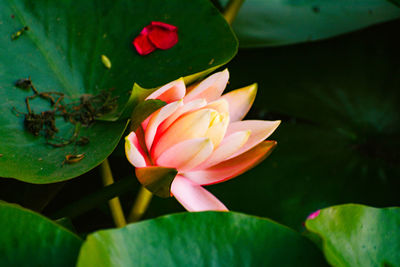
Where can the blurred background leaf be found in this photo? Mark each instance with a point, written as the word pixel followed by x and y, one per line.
pixel 356 235
pixel 29 239
pixel 263 23
pixel 339 140
pixel 200 239
pixel 61 52
pixel 396 2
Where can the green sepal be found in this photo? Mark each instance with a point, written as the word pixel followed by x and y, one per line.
pixel 157 179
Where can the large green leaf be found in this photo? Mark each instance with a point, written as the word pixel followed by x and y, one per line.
pixel 29 239
pixel 200 239
pixel 356 235
pixel 62 51
pixel 280 22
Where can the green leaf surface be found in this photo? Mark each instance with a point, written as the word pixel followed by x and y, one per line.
pixel 66 223
pixel 61 51
pixel 200 239
pixel 280 22
pixel 29 239
pixel 357 235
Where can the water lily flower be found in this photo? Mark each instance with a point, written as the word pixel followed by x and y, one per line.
pixel 200 133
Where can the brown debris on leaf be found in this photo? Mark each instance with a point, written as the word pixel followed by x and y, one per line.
pixel 81 113
pixel 70 159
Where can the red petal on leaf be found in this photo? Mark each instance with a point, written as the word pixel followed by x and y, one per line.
pixel 146 30
pixel 143 45
pixel 162 38
pixel 156 35
pixel 163 25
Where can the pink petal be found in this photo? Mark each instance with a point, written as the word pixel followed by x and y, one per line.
pixel 170 92
pixel 164 25
pixel 240 101
pixel 193 197
pixel 233 167
pixel 220 105
pixel 190 126
pixel 157 118
pixel 190 106
pixel 260 130
pixel 211 88
pixel 186 155
pixel 227 147
pixel 133 151
pixel 143 45
pixel 313 215
pixel 162 38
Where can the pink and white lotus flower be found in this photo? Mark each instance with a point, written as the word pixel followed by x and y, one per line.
pixel 200 132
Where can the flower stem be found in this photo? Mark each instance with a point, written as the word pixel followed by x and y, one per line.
pixel 115 204
pixel 141 203
pixel 231 10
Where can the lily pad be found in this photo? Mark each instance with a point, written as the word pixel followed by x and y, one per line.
pixel 29 239
pixel 200 239
pixel 61 51
pixel 263 23
pixel 357 235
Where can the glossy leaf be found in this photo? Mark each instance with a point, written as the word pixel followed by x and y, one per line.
pixel 29 239
pixel 356 235
pixel 200 239
pixel 281 22
pixel 61 51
